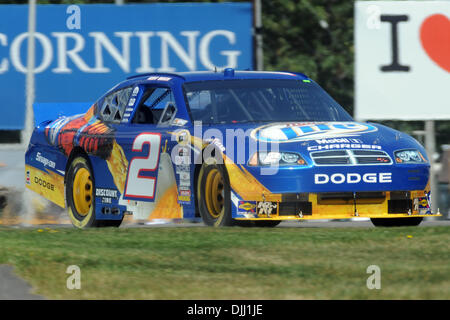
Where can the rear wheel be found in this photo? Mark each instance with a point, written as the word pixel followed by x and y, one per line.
pixel 396 222
pixel 80 196
pixel 79 193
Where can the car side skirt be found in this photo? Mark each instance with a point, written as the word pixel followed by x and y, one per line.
pixel 47 183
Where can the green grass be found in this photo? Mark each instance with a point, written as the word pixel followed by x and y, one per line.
pixel 232 263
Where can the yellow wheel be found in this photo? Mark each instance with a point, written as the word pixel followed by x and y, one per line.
pixel 214 196
pixel 80 193
pixel 80 196
pixel 214 193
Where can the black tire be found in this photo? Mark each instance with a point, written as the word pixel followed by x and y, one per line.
pixel 86 219
pixel 209 212
pixel 396 222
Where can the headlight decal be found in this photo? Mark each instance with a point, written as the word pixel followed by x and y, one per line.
pixel 409 156
pixel 276 158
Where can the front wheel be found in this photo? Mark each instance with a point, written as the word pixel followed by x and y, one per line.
pixel 214 196
pixel 396 222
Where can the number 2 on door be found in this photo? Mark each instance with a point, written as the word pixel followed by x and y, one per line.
pixel 138 185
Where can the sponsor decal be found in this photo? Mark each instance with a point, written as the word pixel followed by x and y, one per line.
pixel 338 140
pixel 132 101
pixel 184 194
pixel 46 162
pixel 185 175
pixel 126 117
pixel 44 184
pixel 135 92
pixel 247 206
pixel 183 151
pixel 182 168
pixel 183 160
pixel 106 200
pixel 301 131
pixel 48 184
pixel 185 183
pixel 251 209
pixel 340 178
pixel 422 205
pixel 266 207
pixel 110 193
pixel 344 146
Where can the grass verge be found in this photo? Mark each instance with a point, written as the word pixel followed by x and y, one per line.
pixel 232 263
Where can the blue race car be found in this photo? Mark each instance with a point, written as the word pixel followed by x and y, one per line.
pixel 231 147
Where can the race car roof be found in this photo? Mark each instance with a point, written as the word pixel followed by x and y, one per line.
pixel 226 74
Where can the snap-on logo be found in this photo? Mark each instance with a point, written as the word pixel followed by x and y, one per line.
pixel 339 178
pixel 304 131
pixel 46 162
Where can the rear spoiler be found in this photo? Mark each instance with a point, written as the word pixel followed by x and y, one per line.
pixel 52 111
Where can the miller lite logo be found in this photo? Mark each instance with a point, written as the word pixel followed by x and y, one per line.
pixel 289 132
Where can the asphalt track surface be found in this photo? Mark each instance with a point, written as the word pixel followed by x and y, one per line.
pixel 14 288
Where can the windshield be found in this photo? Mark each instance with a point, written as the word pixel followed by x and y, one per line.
pixel 261 100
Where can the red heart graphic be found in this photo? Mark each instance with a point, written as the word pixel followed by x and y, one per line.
pixel 435 38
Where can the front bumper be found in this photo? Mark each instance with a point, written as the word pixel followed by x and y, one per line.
pixel 337 205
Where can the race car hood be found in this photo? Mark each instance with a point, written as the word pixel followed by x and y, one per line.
pixel 307 139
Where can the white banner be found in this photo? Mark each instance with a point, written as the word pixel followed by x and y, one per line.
pixel 402 60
